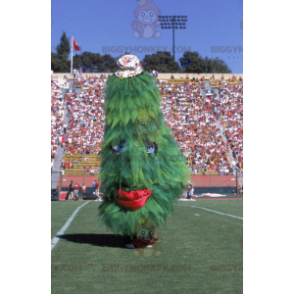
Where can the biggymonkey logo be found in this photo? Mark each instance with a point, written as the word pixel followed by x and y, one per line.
pixel 147 240
pixel 147 20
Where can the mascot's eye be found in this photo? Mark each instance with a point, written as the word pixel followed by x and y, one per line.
pixel 142 13
pixel 143 232
pixel 151 232
pixel 118 148
pixel 151 14
pixel 142 122
pixel 151 149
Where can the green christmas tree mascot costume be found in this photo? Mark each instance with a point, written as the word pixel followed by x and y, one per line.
pixel 143 171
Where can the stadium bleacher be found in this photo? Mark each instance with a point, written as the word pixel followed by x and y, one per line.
pixel 196 121
pixel 81 162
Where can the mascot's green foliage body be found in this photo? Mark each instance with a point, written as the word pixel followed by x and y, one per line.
pixel 139 152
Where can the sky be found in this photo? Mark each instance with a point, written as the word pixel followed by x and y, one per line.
pixel 214 28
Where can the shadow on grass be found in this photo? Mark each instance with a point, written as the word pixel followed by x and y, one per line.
pixel 102 240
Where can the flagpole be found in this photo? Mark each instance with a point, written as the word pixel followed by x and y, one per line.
pixel 71 64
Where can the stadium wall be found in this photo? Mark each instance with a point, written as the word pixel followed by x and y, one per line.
pixel 202 184
pixel 197 190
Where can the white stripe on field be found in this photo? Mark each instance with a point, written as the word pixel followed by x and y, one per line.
pixel 66 225
pixel 230 215
pixel 234 216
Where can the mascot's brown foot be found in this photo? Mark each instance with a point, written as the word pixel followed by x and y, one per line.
pixel 139 243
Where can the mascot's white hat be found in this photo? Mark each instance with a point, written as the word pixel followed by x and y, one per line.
pixel 129 66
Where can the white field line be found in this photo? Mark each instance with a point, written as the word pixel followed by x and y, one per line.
pixel 218 212
pixel 55 240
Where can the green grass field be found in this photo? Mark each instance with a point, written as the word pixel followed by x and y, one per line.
pixel 200 252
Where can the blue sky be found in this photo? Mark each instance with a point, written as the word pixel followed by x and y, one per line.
pixel 213 28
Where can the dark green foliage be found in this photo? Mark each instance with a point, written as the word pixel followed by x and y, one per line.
pixel 133 116
pixel 59 60
pixel 63 50
pixel 90 62
pixel 192 62
pixel 218 66
pixel 162 61
pixel 108 63
pixel 77 61
pixel 94 62
pixel 55 62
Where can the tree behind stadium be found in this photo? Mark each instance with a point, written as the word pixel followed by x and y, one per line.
pixel 94 62
pixel 192 62
pixel 59 60
pixel 162 61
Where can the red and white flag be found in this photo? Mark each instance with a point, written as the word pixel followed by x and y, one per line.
pixel 77 48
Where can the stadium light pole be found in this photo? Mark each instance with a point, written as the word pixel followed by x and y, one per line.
pixel 173 22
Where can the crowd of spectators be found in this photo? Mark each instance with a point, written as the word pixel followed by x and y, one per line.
pixel 230 112
pixel 86 117
pixel 57 116
pixel 193 121
pixel 197 122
